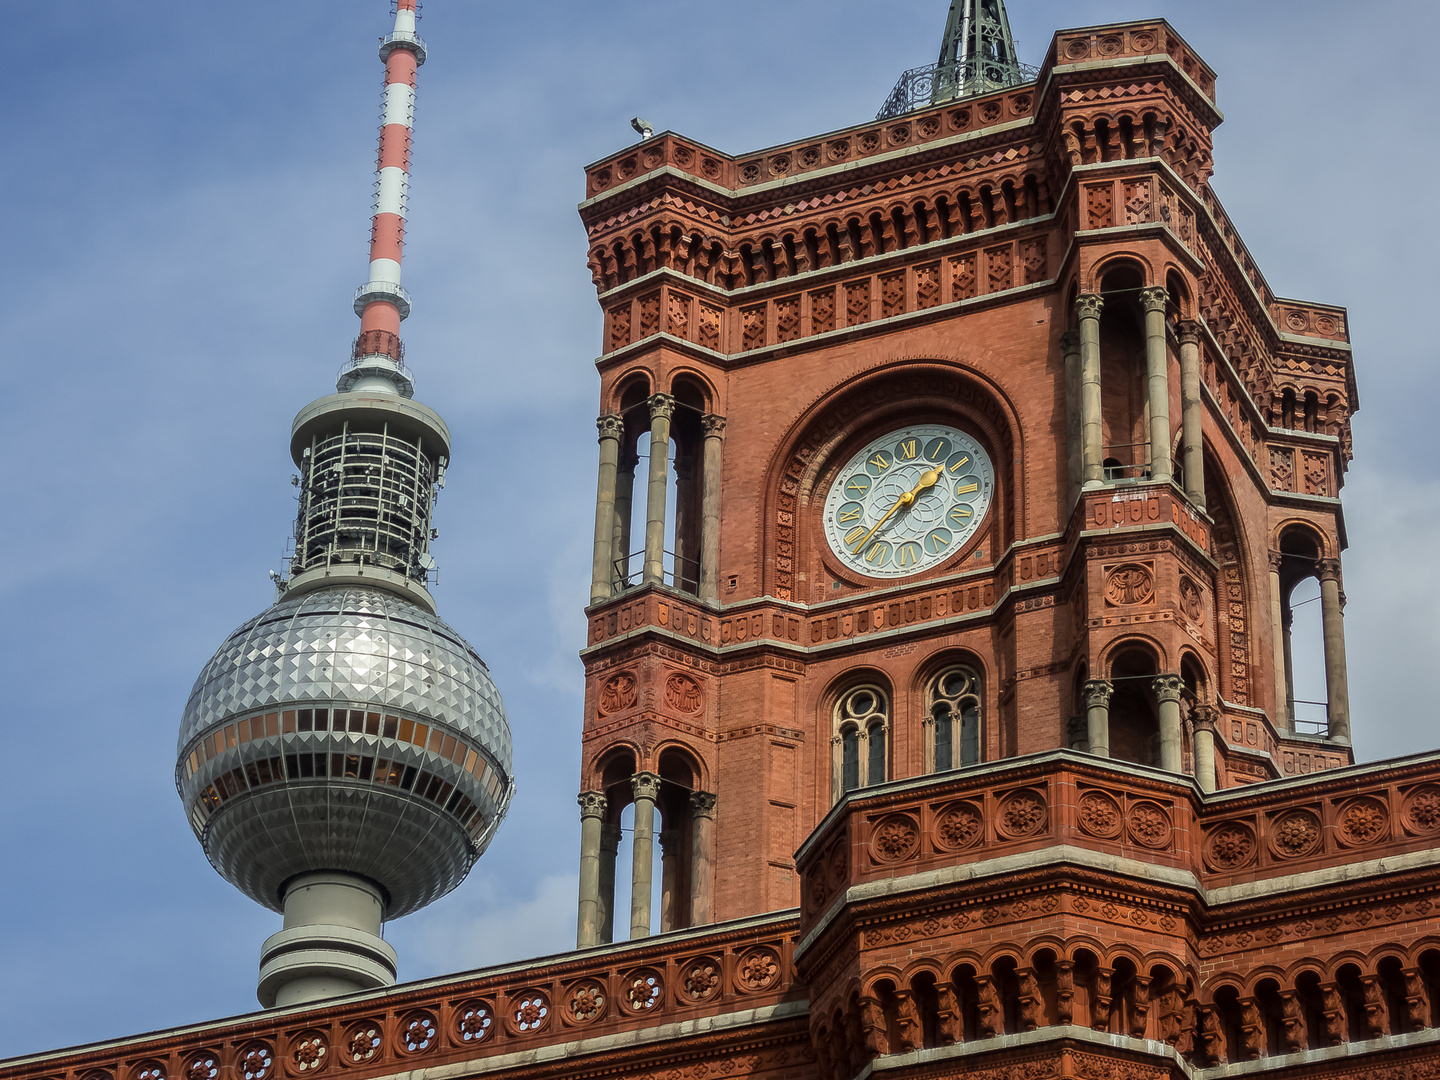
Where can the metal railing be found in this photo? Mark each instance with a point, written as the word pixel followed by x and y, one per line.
pixel 676 571
pixel 936 83
pixel 1308 725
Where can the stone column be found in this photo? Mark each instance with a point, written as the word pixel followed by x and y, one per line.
pixel 603 564
pixel 669 878
pixel 609 849
pixel 714 429
pixel 1097 716
pixel 592 811
pixel 1168 689
pixel 1203 718
pixel 702 854
pixel 1280 630
pixel 624 498
pixel 1192 411
pixel 1154 300
pixel 662 408
pixel 1337 682
pixel 1092 439
pixel 646 787
pixel 1070 348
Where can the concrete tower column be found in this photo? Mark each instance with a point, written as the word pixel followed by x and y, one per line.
pixel 646 787
pixel 1203 717
pixel 624 500
pixel 1168 689
pixel 1092 464
pixel 330 943
pixel 714 429
pixel 702 855
pixel 1280 631
pixel 1097 715
pixel 1192 445
pixel 1337 682
pixel 662 408
pixel 603 564
pixel 669 878
pixel 592 813
pixel 1154 300
pixel 609 850
pixel 1074 456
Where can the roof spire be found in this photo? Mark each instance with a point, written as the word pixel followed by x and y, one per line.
pixel 977 55
pixel 377 359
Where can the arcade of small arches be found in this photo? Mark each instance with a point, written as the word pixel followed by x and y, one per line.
pixel 686 833
pixel 1269 1013
pixel 694 521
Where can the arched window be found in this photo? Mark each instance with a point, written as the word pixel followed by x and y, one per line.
pixel 954 701
pixel 861 736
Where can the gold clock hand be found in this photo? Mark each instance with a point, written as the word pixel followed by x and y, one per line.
pixel 927 480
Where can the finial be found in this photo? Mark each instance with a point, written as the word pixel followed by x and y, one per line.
pixel 377 360
pixel 977 56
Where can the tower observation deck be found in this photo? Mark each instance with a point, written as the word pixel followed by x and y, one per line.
pixel 344 757
pixel 977 56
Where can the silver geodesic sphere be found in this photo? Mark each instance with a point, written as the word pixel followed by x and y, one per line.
pixel 345 730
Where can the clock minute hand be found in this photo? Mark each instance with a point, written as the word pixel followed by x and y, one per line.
pixel 928 480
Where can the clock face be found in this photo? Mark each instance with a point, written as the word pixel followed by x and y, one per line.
pixel 908 501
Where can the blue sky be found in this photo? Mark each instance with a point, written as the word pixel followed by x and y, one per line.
pixel 189 195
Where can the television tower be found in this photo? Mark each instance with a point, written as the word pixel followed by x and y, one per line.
pixel 344 758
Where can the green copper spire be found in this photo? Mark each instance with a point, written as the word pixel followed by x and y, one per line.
pixel 977 55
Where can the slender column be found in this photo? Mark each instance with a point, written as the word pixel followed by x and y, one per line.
pixel 609 849
pixel 662 408
pixel 647 789
pixel 1070 348
pixel 1337 683
pixel 1097 715
pixel 714 428
pixel 687 565
pixel 1281 632
pixel 1287 622
pixel 1204 719
pixel 1088 307
pixel 1157 365
pixel 1192 445
pixel 624 495
pixel 1168 689
pixel 602 566
pixel 702 853
pixel 669 878
pixel 592 812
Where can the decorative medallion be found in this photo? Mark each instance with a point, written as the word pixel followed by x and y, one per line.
pixel 1099 815
pixel 1297 321
pixel 958 826
pixel 1078 49
pixel 1295 833
pixel 683 694
pixel 1230 846
pixel 309 1051
pixel 642 990
pixel 530 1012
pixel 839 868
pixel 1421 810
pixel 618 694
pixel 473 1021
pixel 1143 41
pixel 585 1002
pixel 895 839
pixel 1362 821
pixel 710 167
pixel 418 1032
pixel 1149 825
pixel 257 1061
pixel 1022 814
pixel 362 1042
pixel 202 1066
pixel 815 892
pixel 148 1070
pixel 1190 601
pixel 759 969
pixel 1111 45
pixel 701 979
pixel 1129 585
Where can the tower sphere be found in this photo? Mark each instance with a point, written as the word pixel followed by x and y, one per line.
pixel 345 730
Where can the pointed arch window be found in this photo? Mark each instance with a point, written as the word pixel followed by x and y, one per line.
pixel 862 751
pixel 954 704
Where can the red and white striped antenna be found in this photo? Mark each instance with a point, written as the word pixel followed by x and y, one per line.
pixel 377 359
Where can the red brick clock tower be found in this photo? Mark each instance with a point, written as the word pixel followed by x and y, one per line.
pixel 963 435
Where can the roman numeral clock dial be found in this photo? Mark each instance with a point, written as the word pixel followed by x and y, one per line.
pixel 908 501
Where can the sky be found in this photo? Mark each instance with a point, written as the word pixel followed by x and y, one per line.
pixel 190 191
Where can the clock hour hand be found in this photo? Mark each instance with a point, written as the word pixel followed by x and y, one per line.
pixel 928 480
